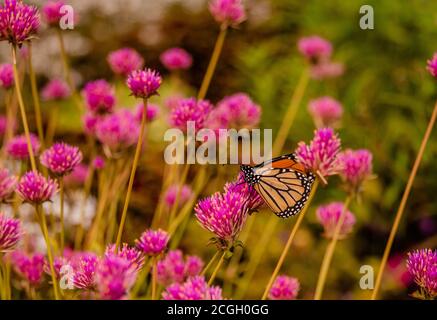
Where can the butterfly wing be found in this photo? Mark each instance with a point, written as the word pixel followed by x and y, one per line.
pixel 287 161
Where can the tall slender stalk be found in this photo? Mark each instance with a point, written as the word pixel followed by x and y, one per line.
pixel 154 277
pixel 290 241
pixel 61 200
pixel 403 202
pixel 35 97
pixel 330 251
pixel 217 268
pixel 210 263
pixel 291 113
pixel 132 175
pixel 22 108
pixel 213 62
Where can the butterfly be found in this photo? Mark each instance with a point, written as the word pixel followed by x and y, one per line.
pixel 282 182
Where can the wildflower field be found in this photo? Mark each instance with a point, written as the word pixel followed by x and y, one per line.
pixel 105 193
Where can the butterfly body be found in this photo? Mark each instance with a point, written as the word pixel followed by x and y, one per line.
pixel 282 182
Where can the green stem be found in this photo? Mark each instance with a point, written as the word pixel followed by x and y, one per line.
pixel 61 198
pixel 154 277
pixel 141 279
pixel 217 268
pixel 132 176
pixel 22 108
pixel 289 241
pixel 330 251
pixel 206 268
pixel 213 62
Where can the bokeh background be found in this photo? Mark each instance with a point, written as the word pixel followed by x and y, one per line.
pixel 385 90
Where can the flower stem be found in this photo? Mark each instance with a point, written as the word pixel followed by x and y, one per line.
pixel 42 219
pixel 404 199
pixel 35 97
pixel 61 198
pixel 132 176
pixel 289 241
pixel 22 108
pixel 206 268
pixel 291 113
pixel 154 276
pixel 330 251
pixel 217 268
pixel 141 279
pixel 213 62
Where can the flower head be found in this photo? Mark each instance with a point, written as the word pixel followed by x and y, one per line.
pixel 61 158
pixel 17 146
pixel 228 11
pixel 10 232
pixel 133 255
pixel 99 96
pixel 176 59
pixel 84 266
pixel 144 83
pixel 115 275
pixel 35 188
pixel 51 12
pixel 326 111
pixel 6 75
pixel 329 215
pixel 171 194
pixel 125 60
pixel 315 48
pixel 118 130
pixel 320 155
pixel 284 288
pixel 194 288
pixel 252 198
pixel 356 167
pixel 422 264
pixel 18 21
pixel 8 184
pixel 151 113
pixel 235 111
pixel 30 268
pixel 223 214
pixel 153 242
pixel 173 268
pixel 190 110
pixel 326 69
pixel 56 90
pixel 432 65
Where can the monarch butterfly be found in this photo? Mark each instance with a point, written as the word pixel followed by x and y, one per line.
pixel 282 182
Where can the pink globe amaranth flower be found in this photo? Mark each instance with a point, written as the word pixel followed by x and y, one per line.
pixel 284 288
pixel 176 59
pixel 90 121
pixel 190 110
pixel 99 96
pixel 58 263
pixel 195 288
pixel 61 158
pixel 51 12
pixel 231 12
pixel 151 113
pixel 18 22
pixel 252 198
pixel 422 264
pixel 235 111
pixel 315 48
pixel 326 70
pixel 8 184
pixel 35 188
pixel 153 242
pixel 84 266
pixel 55 90
pixel 114 277
pixel 224 214
pixel 10 233
pixel 329 215
pixel 133 255
pixel 144 83
pixel 432 65
pixel 320 155
pixel 356 167
pixel 77 176
pixel 6 75
pixel 30 268
pixel 17 146
pixel 173 268
pixel 124 61
pixel 326 111
pixel 99 162
pixel 185 193
pixel 118 130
